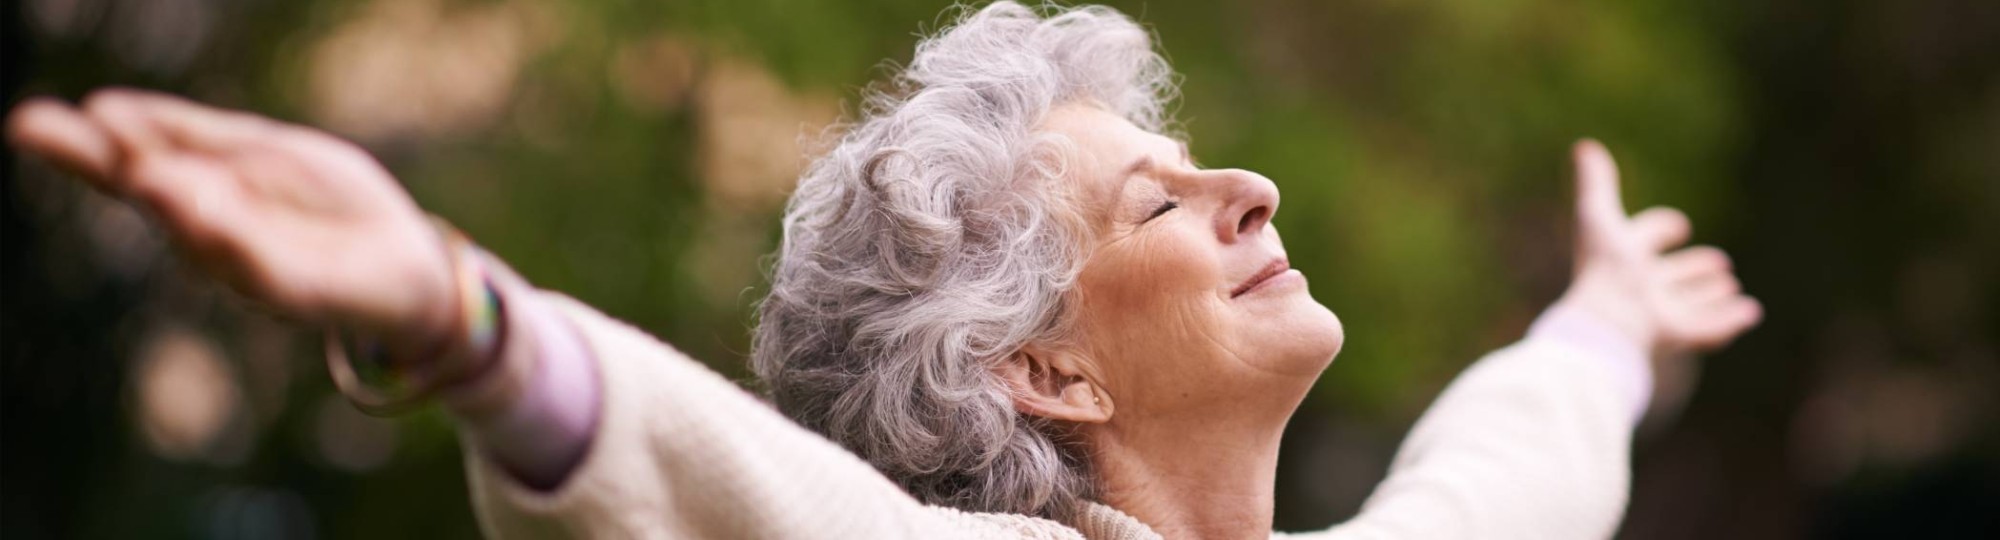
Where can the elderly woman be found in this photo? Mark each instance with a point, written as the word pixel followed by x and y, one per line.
pixel 1007 304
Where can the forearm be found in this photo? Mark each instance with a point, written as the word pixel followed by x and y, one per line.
pixel 1627 364
pixel 539 431
pixel 1532 441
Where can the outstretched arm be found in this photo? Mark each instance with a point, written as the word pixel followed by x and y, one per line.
pixel 1534 440
pixel 578 426
pixel 313 226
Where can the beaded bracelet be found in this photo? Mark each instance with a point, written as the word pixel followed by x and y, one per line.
pixel 380 385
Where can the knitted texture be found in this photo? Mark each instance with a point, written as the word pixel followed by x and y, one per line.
pixel 1531 442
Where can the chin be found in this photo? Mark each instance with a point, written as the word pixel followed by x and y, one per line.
pixel 1306 336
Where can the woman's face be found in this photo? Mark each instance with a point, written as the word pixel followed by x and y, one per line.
pixel 1188 302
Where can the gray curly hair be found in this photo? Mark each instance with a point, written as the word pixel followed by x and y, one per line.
pixel 934 239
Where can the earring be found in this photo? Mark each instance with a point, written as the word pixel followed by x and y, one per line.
pixel 1096 400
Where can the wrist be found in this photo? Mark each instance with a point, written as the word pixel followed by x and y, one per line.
pixel 1625 363
pixel 430 332
pixel 1571 323
pixel 404 366
pixel 1591 297
pixel 436 298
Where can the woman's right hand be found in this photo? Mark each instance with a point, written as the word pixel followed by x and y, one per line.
pixel 290 216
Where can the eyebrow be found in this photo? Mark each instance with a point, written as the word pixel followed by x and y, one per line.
pixel 1125 176
pixel 1142 163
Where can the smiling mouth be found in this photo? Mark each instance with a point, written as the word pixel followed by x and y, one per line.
pixel 1277 266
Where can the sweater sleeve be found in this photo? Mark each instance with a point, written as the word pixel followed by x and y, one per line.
pixel 1532 441
pixel 681 452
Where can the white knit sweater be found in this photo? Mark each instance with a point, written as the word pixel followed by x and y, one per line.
pixel 1530 442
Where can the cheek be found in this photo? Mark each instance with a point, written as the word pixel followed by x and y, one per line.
pixel 1147 276
pixel 1149 309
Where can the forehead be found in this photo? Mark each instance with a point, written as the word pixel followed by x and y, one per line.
pixel 1103 147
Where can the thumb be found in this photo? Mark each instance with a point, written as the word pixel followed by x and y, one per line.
pixel 1599 209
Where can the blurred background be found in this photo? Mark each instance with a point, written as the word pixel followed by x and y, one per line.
pixel 635 154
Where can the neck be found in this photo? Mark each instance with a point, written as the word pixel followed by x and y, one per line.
pixel 1188 481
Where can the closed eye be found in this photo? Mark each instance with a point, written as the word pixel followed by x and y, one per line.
pixel 1164 207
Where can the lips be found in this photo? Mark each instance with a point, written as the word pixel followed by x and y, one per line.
pixel 1276 267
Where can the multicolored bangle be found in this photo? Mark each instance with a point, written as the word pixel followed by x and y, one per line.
pixel 377 384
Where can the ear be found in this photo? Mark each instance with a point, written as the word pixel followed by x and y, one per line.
pixel 1050 384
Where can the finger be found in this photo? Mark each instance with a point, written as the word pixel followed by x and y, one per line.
pixel 199 127
pixel 1694 262
pixel 1723 323
pixel 195 198
pixel 1708 288
pixel 63 135
pixel 1662 228
pixel 1598 205
pixel 120 114
pixel 1749 313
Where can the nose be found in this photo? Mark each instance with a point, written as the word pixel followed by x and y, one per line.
pixel 1248 201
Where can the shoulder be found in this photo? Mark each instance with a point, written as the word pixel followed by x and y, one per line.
pixel 1008 526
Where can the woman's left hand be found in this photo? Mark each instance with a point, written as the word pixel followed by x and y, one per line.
pixel 288 215
pixel 1673 302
